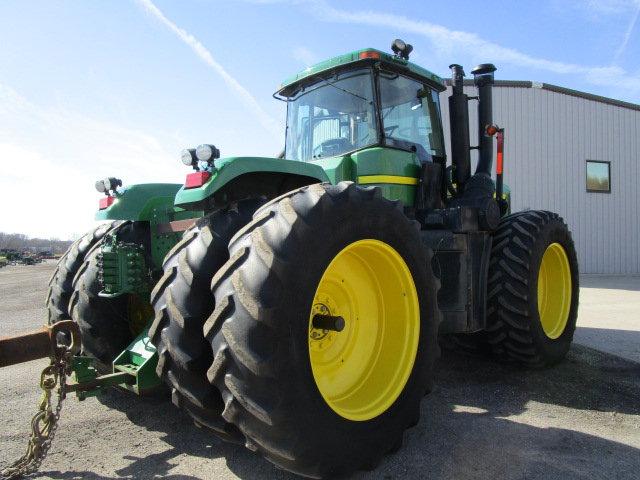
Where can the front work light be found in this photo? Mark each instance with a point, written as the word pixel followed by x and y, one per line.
pixel 207 153
pixel 111 183
pixel 188 156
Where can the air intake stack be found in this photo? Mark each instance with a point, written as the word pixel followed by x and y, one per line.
pixel 459 128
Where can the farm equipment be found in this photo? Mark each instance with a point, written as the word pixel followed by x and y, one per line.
pixel 294 305
pixel 29 260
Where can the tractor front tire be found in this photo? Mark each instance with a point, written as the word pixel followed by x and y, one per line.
pixel 325 329
pixel 61 282
pixel 182 301
pixel 533 289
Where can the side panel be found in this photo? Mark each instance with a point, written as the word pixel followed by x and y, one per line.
pixel 338 169
pixel 395 171
pixel 230 169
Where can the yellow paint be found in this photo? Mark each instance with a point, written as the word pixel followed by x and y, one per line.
pixel 361 371
pixel 396 179
pixel 554 290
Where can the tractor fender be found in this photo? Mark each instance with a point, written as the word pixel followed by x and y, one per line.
pixel 235 178
pixel 141 202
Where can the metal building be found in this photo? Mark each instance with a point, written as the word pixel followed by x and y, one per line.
pixel 576 154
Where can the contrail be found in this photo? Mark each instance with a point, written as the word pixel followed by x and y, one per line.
pixel 448 41
pixel 268 122
pixel 627 35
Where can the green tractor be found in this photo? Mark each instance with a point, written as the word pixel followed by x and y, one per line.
pixel 296 305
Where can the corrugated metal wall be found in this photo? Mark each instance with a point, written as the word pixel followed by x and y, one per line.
pixel 549 137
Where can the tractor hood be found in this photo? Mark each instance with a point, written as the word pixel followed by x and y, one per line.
pixel 231 170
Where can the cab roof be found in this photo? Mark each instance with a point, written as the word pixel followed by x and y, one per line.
pixel 364 56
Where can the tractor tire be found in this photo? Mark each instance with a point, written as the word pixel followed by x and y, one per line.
pixel 311 399
pixel 533 289
pixel 182 302
pixel 471 344
pixel 107 325
pixel 61 282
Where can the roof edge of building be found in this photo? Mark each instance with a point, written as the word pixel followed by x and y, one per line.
pixel 557 89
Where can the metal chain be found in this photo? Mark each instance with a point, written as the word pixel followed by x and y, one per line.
pixel 45 422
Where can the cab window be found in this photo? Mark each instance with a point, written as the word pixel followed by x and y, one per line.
pixel 410 114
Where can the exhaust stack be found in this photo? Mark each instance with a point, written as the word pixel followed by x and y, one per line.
pixel 483 80
pixel 459 128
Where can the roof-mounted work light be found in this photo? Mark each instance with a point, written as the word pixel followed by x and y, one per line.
pixel 401 49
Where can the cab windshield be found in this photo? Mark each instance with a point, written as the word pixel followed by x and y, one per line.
pixel 332 117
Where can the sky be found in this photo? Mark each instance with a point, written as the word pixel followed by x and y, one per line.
pixel 90 89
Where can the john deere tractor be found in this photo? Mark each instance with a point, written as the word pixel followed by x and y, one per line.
pixel 294 304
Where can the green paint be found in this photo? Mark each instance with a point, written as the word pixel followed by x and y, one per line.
pixel 375 161
pixel 139 360
pixel 143 202
pixel 227 169
pixel 134 369
pixel 370 161
pixel 337 169
pixel 161 243
pixel 122 268
pixel 84 371
pixel 354 57
pixel 386 161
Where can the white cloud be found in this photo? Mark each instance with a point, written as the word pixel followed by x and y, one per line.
pixel 51 158
pixel 614 7
pixel 205 55
pixel 447 42
pixel 305 56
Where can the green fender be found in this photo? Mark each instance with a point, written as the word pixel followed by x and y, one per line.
pixel 230 171
pixel 143 202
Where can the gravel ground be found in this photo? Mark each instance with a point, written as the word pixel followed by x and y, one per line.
pixel 576 421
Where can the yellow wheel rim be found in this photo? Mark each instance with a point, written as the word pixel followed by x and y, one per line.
pixel 361 370
pixel 554 290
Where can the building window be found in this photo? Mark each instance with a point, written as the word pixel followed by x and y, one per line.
pixel 598 176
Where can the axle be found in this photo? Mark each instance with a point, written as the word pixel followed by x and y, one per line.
pixel 328 322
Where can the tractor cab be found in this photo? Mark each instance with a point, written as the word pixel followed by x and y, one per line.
pixel 362 100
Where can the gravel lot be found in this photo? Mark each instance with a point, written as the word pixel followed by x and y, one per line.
pixel 576 421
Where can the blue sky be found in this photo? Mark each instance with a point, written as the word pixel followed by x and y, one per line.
pixel 96 88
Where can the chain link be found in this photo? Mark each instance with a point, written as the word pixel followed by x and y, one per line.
pixel 45 422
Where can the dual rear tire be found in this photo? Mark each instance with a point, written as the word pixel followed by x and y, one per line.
pixel 533 290
pixel 107 325
pixel 532 293
pixel 182 302
pixel 324 401
pixel 238 345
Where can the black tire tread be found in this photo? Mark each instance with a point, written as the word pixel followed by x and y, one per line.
pixel 509 320
pixel 103 322
pixel 243 365
pixel 61 281
pixel 182 301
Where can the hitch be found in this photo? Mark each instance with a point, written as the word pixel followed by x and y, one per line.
pixel 134 369
pixel 39 343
